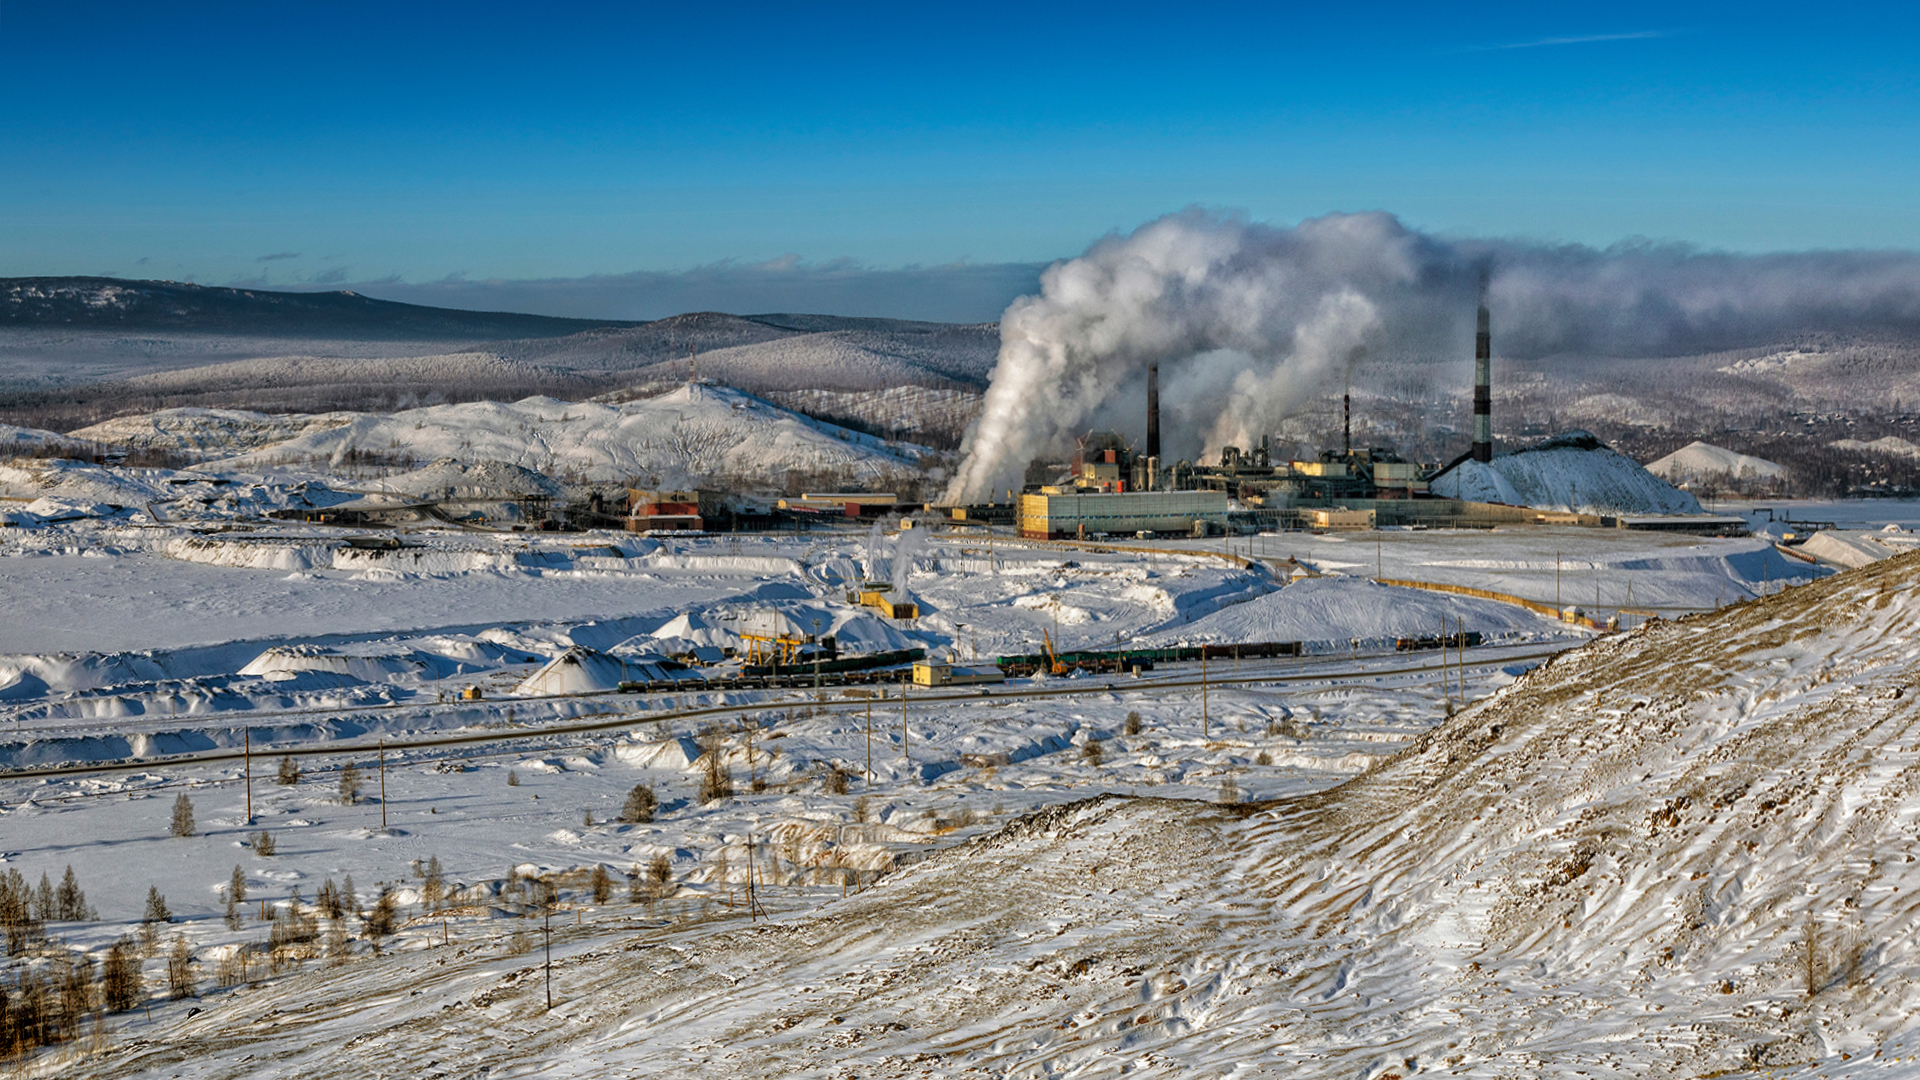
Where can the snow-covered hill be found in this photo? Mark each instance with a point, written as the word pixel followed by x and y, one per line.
pixel 1698 460
pixel 1574 471
pixel 688 436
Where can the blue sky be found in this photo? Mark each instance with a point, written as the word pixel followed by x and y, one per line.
pixel 415 148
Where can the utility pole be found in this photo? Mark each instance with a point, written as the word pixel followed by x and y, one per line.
pixel 869 742
pixel 753 904
pixel 1556 581
pixel 548 904
pixel 1205 715
pixel 246 735
pixel 1446 691
pixel 1378 563
pixel 905 757
pixel 383 796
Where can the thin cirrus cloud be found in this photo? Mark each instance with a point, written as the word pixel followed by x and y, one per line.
pixel 952 292
pixel 277 256
pixel 1587 39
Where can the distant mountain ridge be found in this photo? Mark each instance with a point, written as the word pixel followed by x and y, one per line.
pixel 118 304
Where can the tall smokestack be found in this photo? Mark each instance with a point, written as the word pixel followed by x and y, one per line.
pixel 1483 381
pixel 1153 411
pixel 1346 423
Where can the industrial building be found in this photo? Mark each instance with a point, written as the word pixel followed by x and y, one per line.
pixel 1062 513
pixel 853 504
pixel 671 510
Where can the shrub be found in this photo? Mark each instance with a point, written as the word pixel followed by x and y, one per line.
pixel 263 843
pixel 328 900
pixel 182 816
pixel 661 871
pixel 1229 791
pixel 379 919
pixel 1133 723
pixel 640 805
pixel 602 883
pixel 1263 758
pixel 350 784
pixel 834 780
pixel 433 887
pixel 513 778
pixel 1090 752
pixel 289 771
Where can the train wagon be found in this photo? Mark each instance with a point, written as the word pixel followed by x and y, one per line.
pixel 1466 640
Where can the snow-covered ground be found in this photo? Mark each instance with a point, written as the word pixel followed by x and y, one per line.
pixel 999 922
pixel 1611 866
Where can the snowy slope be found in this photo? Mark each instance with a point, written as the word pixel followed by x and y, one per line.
pixel 1698 459
pixel 222 431
pixel 1569 472
pixel 1892 445
pixel 15 440
pixel 1675 853
pixel 690 435
pixel 451 479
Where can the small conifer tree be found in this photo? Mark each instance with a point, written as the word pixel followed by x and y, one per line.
pixel 289 770
pixel 155 916
pixel 120 981
pixel 69 901
pixel 43 905
pixel 182 816
pixel 602 883
pixel 350 784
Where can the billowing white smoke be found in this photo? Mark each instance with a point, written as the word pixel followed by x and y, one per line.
pixel 874 541
pixel 1258 315
pixel 905 550
pixel 1248 320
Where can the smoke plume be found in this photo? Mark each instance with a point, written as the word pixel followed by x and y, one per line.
pixel 1247 320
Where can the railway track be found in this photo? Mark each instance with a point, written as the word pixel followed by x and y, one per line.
pixel 604 722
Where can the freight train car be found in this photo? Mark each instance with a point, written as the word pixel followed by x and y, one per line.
pixel 1465 640
pixel 1128 659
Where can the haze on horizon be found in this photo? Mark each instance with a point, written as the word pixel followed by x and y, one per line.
pixel 616 163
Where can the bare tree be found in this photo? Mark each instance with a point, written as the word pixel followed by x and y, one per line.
pixel 716 782
pixel 180 969
pixel 350 784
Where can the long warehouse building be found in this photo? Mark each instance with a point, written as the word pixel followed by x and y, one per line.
pixel 1067 514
